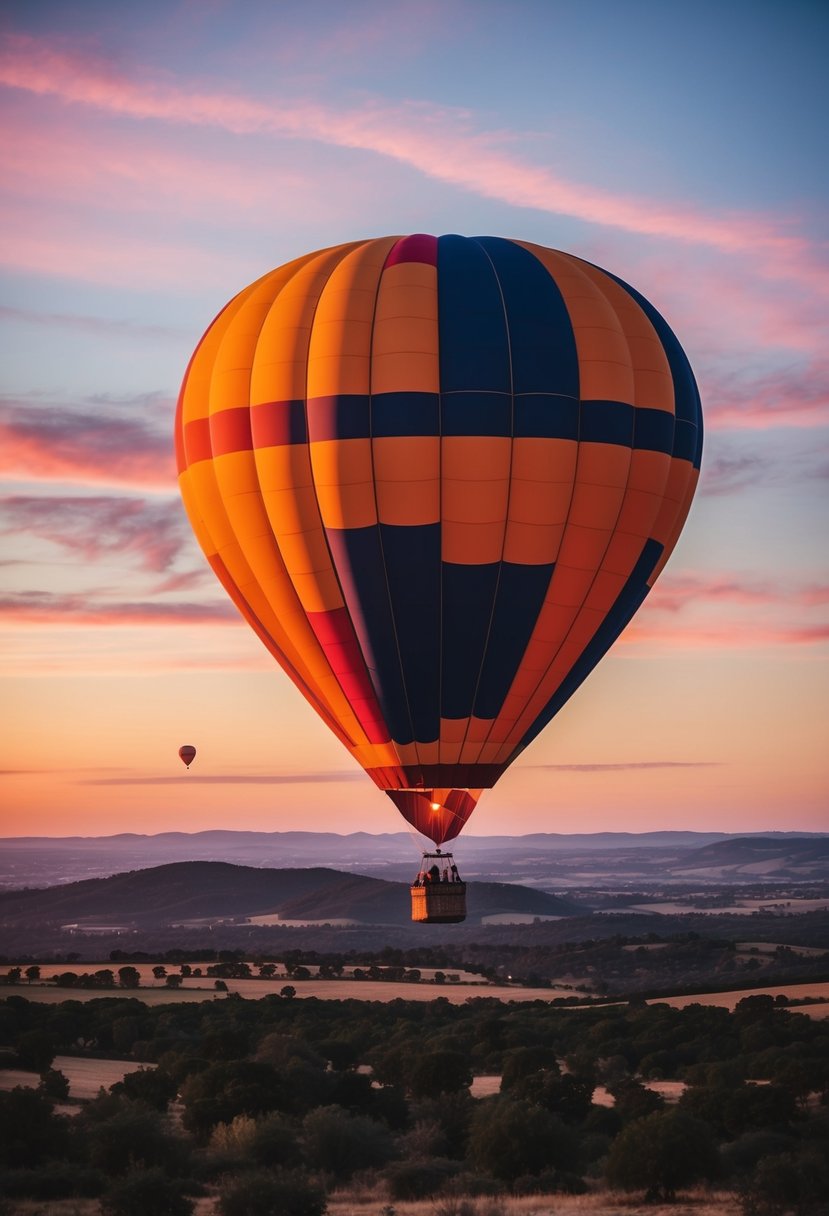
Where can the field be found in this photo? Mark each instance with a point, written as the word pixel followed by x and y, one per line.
pixel 85 1076
pixel 695 1203
pixel 202 989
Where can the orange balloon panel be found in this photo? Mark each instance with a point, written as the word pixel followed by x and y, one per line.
pixel 437 476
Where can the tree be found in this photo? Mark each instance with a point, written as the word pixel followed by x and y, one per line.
pixel 439 1072
pixel 30 1131
pixel 134 1136
pixel 33 972
pixel 152 1086
pixel 159 971
pixel 129 977
pixel 513 1137
pixel 229 1088
pixel 338 1143
pixel 660 1153
pixel 35 1050
pixel 633 1100
pixel 54 1085
pixel 173 981
pixel 146 1191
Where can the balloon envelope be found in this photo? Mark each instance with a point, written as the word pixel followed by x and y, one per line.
pixel 187 754
pixel 438 476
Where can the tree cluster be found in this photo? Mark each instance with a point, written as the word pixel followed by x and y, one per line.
pixel 276 1101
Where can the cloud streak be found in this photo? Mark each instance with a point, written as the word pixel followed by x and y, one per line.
pixel 313 778
pixel 95 326
pixel 45 608
pixel 673 593
pixel 627 766
pixel 441 142
pixel 150 532
pixel 97 443
pixel 792 396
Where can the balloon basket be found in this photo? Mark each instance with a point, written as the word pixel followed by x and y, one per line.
pixel 438 893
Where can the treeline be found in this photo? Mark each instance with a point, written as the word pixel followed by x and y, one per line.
pixel 43 942
pixel 615 965
pixel 270 1104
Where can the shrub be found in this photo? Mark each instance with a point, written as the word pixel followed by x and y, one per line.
pixel 133 1137
pixel 260 1193
pixel 57 1180
pixel 146 1191
pixel 420 1179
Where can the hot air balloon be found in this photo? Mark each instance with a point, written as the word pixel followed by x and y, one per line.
pixel 438 476
pixel 187 754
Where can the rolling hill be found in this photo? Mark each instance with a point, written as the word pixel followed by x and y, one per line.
pixel 190 891
pixel 757 857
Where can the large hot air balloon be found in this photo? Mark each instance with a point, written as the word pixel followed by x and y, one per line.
pixel 438 476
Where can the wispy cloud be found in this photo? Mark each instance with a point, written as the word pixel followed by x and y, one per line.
pixel 746 635
pixel 676 592
pixel 192 778
pixel 47 608
pixel 634 765
pixel 91 325
pixel 793 396
pixel 148 532
pixel 754 463
pixel 444 143
pixel 98 442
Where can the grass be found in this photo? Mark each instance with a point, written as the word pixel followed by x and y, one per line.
pixel 602 1203
pixel 697 1203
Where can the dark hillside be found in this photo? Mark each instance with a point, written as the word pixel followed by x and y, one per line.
pixel 215 890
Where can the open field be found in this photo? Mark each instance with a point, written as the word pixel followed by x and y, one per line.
pixel 744 907
pixel 202 989
pixel 85 1076
pixel 697 1203
pixel 727 1000
pixel 279 978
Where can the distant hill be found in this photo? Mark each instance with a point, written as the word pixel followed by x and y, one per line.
pixel 758 857
pixel 213 890
pixel 537 859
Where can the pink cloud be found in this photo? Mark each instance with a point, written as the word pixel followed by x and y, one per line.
pixel 745 636
pixel 86 446
pixel 151 533
pixel 441 142
pixel 789 396
pixel 80 165
pixel 38 609
pixel 69 248
pixel 677 592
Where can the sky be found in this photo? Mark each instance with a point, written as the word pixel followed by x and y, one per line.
pixel 159 157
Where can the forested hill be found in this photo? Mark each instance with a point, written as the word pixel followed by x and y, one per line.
pixel 215 890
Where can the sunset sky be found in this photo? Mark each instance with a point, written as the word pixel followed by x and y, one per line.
pixel 158 157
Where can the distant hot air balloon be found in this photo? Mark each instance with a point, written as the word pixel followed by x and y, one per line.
pixel 187 754
pixel 438 476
